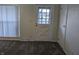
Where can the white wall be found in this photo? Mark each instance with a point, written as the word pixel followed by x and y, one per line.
pixel 62 25
pixel 72 30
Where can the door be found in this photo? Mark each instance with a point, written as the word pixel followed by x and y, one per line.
pixel 43 24
pixel 62 25
pixel 72 35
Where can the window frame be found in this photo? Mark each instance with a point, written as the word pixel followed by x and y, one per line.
pixel 18 22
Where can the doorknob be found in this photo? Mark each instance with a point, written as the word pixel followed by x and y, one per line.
pixel 64 26
pixel 36 24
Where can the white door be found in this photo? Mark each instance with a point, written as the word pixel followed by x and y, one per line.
pixel 63 23
pixel 43 24
pixel 72 35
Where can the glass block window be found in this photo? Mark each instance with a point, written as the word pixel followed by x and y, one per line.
pixel 43 16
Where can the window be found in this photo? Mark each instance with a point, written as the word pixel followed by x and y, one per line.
pixel 43 16
pixel 9 21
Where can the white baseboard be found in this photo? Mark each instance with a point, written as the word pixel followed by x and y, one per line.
pixel 67 52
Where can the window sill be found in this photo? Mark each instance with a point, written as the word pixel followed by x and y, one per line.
pixel 9 38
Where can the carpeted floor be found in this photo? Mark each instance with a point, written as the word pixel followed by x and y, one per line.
pixel 30 48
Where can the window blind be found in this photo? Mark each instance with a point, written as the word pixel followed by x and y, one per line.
pixel 8 21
